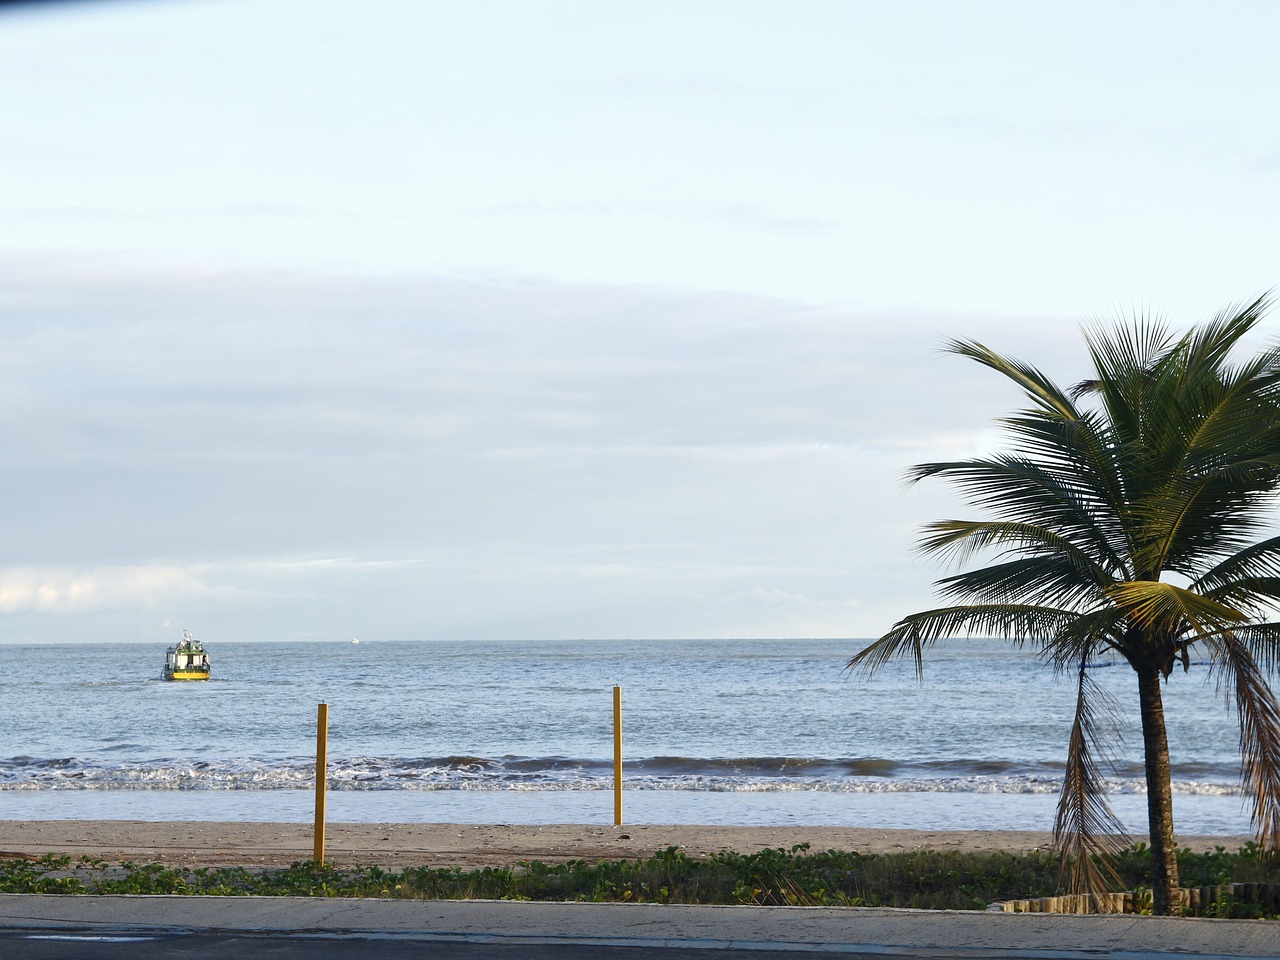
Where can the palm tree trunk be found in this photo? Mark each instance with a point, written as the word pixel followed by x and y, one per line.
pixel 1164 851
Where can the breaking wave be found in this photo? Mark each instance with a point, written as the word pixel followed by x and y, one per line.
pixel 511 773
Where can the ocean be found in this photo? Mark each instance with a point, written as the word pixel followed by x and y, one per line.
pixel 751 732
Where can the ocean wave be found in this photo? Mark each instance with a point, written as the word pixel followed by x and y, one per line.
pixel 513 773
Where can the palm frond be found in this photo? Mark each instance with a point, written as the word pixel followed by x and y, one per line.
pixel 1209 344
pixel 1262 640
pixel 1255 597
pixel 1016 490
pixel 1259 737
pixel 1164 608
pixel 1042 391
pixel 1045 580
pixel 1190 434
pixel 1086 831
pixel 912 635
pixel 958 540
pixel 1123 359
pixel 1085 636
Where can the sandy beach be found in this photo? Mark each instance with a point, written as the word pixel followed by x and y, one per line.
pixel 400 845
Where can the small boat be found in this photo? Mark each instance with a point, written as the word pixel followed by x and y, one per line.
pixel 186 661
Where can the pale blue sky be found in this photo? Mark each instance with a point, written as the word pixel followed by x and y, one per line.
pixel 415 319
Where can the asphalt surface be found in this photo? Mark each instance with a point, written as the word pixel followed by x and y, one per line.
pixel 197 946
pixel 105 928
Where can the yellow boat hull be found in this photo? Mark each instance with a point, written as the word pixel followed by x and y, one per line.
pixel 187 675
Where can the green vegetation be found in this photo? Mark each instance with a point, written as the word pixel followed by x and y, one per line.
pixel 923 879
pixel 1124 522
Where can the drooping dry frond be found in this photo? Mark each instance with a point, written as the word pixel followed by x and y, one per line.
pixel 1259 736
pixel 1262 640
pixel 1087 832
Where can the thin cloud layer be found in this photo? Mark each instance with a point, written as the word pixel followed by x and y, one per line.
pixel 487 459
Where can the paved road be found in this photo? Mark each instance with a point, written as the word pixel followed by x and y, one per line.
pixel 42 945
pixel 335 929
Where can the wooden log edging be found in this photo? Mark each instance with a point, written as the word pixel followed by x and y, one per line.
pixel 1194 901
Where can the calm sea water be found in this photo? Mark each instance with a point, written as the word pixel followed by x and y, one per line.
pixel 734 732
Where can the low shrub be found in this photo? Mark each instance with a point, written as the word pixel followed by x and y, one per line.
pixel 925 879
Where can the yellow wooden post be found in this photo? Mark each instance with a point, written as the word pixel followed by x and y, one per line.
pixel 322 745
pixel 617 756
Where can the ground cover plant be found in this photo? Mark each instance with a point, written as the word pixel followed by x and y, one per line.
pixel 924 879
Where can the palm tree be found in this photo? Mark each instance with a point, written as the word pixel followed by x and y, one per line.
pixel 1124 520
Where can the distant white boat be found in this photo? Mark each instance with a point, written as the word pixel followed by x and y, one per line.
pixel 355 640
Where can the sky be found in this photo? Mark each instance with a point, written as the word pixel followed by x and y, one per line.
pixel 421 320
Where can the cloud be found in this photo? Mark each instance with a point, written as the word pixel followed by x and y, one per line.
pixel 60 590
pixel 739 216
pixel 426 455
pixel 750 217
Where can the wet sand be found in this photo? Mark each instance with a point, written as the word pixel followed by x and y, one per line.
pixel 400 845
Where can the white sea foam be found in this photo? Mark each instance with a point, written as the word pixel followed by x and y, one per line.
pixel 514 774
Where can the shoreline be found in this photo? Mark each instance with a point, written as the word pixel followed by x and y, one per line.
pixel 401 845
